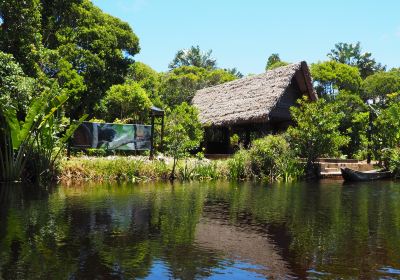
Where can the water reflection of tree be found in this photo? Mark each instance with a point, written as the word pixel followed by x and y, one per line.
pixel 104 232
pixel 122 231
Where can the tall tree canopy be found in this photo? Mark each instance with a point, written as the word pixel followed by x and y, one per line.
pixel 16 88
pixel 351 54
pixel 193 57
pixel 274 61
pixel 180 84
pixel 127 101
pixel 21 32
pixel 99 47
pixel 330 77
pixel 378 86
pixel 147 78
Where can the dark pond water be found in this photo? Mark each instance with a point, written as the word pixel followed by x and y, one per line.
pixel 202 230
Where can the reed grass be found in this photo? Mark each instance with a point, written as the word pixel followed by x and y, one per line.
pixel 137 168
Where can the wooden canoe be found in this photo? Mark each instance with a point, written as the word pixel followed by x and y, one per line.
pixel 360 176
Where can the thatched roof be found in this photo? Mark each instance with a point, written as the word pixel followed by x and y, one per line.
pixel 251 99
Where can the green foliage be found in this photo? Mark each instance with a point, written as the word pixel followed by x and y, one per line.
pixel 127 101
pixel 115 168
pixel 269 158
pixel 16 88
pixel 332 76
pixel 234 142
pixel 235 72
pixel 147 78
pixel 97 46
pixel 379 85
pixel 200 170
pixel 277 65
pixel 351 54
pixel 35 140
pixel 354 123
pixel 21 32
pixel 184 132
pixel 274 61
pixel 391 159
pixel 386 133
pixel 219 76
pixel 180 84
pixel 71 82
pixel 316 133
pixel 238 165
pixel 193 57
pixel 272 159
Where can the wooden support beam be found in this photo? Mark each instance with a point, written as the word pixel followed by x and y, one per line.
pixel 152 138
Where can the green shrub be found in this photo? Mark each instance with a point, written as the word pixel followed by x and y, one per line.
pixel 238 165
pixel 392 160
pixel 272 159
pixel 269 158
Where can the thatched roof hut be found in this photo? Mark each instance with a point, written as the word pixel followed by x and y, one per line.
pixel 255 99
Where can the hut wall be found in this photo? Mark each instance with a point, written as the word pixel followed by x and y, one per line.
pixel 217 140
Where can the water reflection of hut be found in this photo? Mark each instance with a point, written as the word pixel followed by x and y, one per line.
pixel 257 105
pixel 245 245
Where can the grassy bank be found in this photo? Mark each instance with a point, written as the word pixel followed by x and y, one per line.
pixel 118 168
pixel 269 159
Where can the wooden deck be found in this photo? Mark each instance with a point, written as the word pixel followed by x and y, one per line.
pixel 330 168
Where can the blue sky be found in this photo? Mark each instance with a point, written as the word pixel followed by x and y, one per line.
pixel 243 34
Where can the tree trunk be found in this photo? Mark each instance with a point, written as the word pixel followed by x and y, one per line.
pixel 172 175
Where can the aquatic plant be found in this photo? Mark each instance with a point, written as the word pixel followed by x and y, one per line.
pixel 238 165
pixel 34 140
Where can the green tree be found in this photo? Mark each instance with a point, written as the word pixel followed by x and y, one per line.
pixel 386 130
pixel 379 85
pixel 100 47
pixel 16 89
pixel 274 61
pixel 184 132
pixel 21 32
pixel 351 54
pixel 316 133
pixel 219 76
pixel 127 101
pixel 193 57
pixel 330 77
pixel 147 78
pixel 354 123
pixel 70 81
pixel 181 84
pixel 234 71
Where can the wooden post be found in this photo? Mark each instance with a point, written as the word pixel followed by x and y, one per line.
pixel 162 134
pixel 152 138
pixel 369 136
